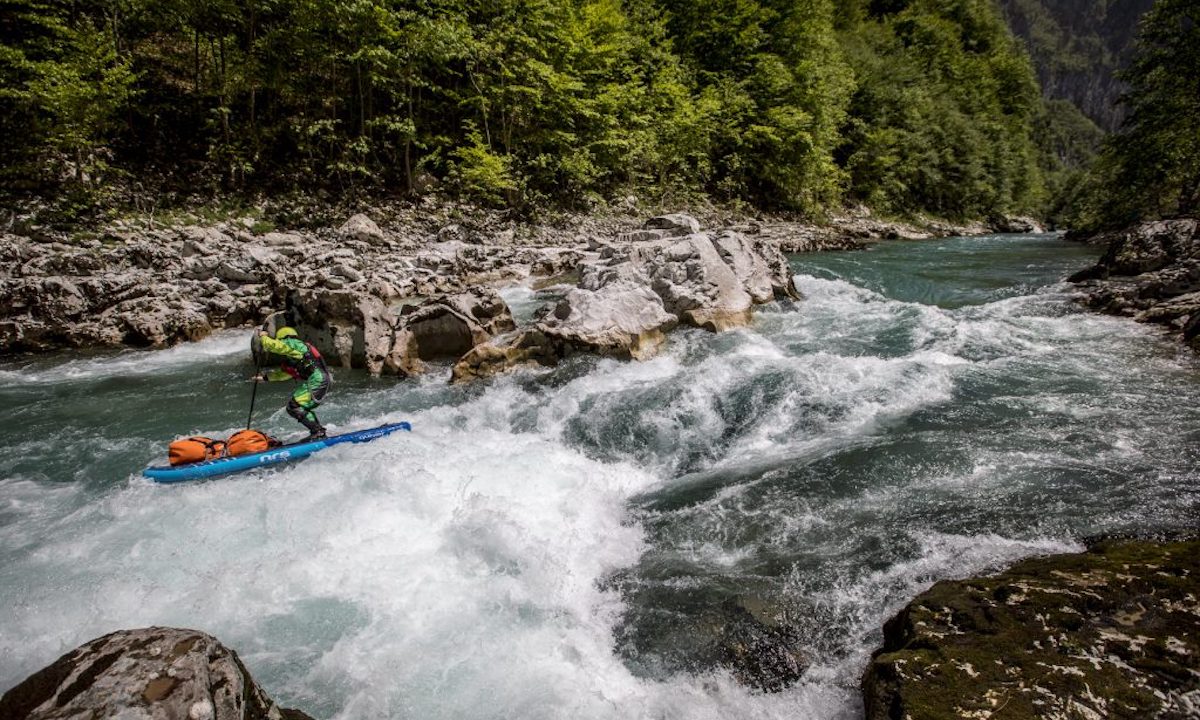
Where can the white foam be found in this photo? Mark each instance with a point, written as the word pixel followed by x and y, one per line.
pixel 461 570
pixel 220 345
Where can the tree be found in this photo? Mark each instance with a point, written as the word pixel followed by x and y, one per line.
pixel 1151 167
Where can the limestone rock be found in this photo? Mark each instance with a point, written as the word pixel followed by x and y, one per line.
pixel 362 229
pixel 674 225
pixel 697 285
pixel 446 327
pixel 1017 224
pixel 354 328
pixel 155 673
pixel 350 328
pixel 492 358
pixel 1150 271
pixel 281 239
pixel 629 297
pixel 621 320
pixel 1113 632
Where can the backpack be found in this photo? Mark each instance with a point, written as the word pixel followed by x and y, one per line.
pixel 195 449
pixel 245 442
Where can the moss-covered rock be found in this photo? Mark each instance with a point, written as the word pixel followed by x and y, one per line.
pixel 1112 632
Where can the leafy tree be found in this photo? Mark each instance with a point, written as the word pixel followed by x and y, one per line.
pixel 1151 168
pixel 63 76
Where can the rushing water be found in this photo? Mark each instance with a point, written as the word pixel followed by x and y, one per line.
pixel 551 544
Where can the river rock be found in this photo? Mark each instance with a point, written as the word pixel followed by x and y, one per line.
pixel 762 653
pixel 362 229
pixel 354 328
pixel 350 328
pixel 1112 632
pixel 1150 271
pixel 621 320
pixel 674 225
pixel 447 327
pixel 1017 224
pixel 629 297
pixel 493 358
pixel 154 673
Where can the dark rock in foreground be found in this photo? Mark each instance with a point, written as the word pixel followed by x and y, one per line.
pixel 1112 632
pixel 1150 272
pixel 154 673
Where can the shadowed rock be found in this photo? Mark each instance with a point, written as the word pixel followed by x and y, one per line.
pixel 1150 272
pixel 155 673
pixel 1113 632
pixel 354 328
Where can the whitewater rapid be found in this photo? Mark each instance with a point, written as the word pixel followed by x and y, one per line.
pixel 545 545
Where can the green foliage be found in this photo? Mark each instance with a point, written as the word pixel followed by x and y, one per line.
pixel 1151 168
pixel 942 117
pixel 1069 143
pixel 64 80
pixel 482 174
pixel 797 105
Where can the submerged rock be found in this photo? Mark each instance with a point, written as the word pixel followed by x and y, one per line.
pixel 761 653
pixel 1112 632
pixel 155 673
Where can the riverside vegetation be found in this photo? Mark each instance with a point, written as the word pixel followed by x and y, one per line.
pixel 905 106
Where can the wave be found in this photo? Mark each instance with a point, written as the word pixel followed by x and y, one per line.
pixel 223 345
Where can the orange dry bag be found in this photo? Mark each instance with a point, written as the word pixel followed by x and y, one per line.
pixel 194 449
pixel 245 442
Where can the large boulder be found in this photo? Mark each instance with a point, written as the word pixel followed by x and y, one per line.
pixel 635 292
pixel 350 328
pixel 1113 632
pixel 1150 271
pixel 354 328
pixel 361 228
pixel 446 328
pixel 155 673
pixel 1150 246
pixel 705 281
pixel 674 224
pixel 621 320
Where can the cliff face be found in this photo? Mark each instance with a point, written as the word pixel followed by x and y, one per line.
pixel 1077 47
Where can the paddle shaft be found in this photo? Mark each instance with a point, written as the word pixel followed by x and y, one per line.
pixel 257 369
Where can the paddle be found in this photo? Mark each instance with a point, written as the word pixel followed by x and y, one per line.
pixel 256 351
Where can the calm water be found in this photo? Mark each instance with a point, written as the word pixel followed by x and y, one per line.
pixel 553 544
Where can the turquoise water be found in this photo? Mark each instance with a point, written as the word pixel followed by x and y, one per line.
pixel 554 543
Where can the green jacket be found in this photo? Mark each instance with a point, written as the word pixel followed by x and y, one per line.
pixel 299 360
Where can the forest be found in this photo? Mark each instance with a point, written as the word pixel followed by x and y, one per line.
pixel 800 106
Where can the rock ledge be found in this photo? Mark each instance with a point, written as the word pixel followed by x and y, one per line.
pixel 1112 632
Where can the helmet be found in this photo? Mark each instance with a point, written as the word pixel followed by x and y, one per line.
pixel 286 332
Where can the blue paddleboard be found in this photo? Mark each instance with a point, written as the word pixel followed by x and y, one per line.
pixel 274 456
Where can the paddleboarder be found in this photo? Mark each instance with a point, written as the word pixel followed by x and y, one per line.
pixel 298 361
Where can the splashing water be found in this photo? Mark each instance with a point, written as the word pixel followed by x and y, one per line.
pixel 546 545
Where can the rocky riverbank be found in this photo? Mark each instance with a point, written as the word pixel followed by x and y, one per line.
pixel 1151 273
pixel 1112 632
pixel 151 285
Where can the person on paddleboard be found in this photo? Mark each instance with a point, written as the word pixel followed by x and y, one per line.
pixel 301 362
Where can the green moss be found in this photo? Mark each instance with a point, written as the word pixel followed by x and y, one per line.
pixel 1097 625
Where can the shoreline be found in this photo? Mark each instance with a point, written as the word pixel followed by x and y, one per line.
pixel 131 284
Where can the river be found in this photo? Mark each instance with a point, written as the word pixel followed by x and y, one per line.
pixel 553 543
